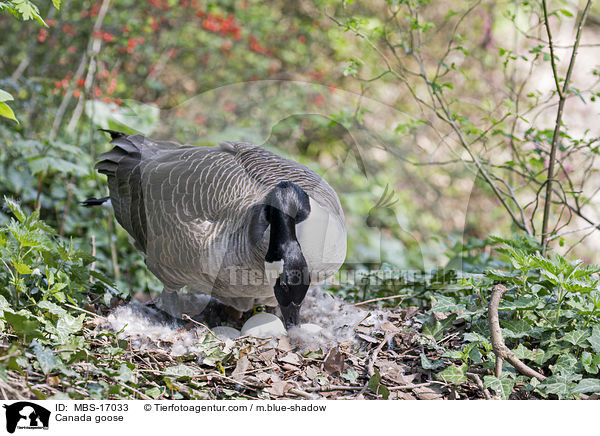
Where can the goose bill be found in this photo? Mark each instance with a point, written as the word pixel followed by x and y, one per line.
pixel 291 314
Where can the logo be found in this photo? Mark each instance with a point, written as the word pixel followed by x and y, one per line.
pixel 26 415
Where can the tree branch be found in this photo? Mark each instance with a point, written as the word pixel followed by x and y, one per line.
pixel 559 113
pixel 500 349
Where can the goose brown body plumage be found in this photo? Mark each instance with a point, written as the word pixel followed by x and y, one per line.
pixel 214 220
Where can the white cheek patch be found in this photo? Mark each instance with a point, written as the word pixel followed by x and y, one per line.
pixel 322 239
pixel 272 271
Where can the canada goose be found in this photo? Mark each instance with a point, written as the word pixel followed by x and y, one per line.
pixel 234 221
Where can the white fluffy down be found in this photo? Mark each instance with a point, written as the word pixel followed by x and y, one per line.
pixel 336 318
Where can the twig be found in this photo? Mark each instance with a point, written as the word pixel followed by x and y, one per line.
pixel 411 386
pixel 91 49
pixel 559 112
pixel 331 388
pixel 61 231
pixel 84 311
pixel 113 248
pixel 371 364
pixel 301 393
pixel 479 384
pixel 141 394
pixel 380 299
pixel 498 345
pixel 93 267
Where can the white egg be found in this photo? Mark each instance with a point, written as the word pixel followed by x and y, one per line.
pixel 312 329
pixel 224 332
pixel 263 325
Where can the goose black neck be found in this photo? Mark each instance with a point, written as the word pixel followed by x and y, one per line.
pixel 282 240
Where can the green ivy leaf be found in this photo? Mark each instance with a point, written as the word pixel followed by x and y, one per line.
pixel 560 384
pixel 594 339
pixel 503 387
pixel 565 363
pixel 351 375
pixel 52 307
pixel 590 362
pixel 444 304
pixel 429 365
pixel 126 374
pixel 45 357
pixel 376 386
pixel 522 352
pixel 577 337
pixel 22 324
pixel 516 329
pixel 454 374
pixel 154 392
pixel 67 325
pixel 587 386
pixel 521 303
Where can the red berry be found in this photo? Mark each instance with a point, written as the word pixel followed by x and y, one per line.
pixel 42 35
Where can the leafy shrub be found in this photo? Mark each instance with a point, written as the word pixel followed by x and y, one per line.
pixel 43 282
pixel 549 318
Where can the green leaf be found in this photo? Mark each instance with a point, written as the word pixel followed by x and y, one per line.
pixel 4 304
pixel 376 386
pixel 565 363
pixel 15 208
pixel 594 339
pixel 503 387
pixel 523 352
pixel 56 3
pixel 28 11
pixel 436 329
pixel 520 303
pixel 590 362
pixel 22 324
pixel 126 374
pixel 577 337
pixel 560 384
pixel 429 365
pixel 5 96
pixel 444 304
pixel 566 12
pixel 587 386
pixel 351 375
pixel 67 325
pixel 516 328
pixel 45 357
pixel 180 371
pixel 454 374
pixel 52 307
pixel 475 337
pixel 22 268
pixel 154 392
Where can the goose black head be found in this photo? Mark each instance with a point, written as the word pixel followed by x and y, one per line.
pixel 287 205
